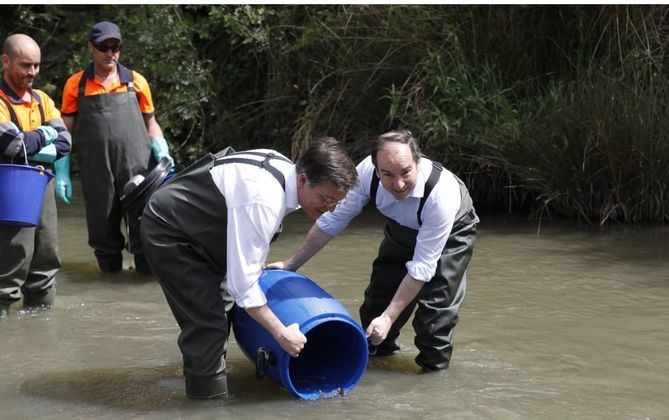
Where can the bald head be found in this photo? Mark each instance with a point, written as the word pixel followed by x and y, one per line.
pixel 18 43
pixel 21 59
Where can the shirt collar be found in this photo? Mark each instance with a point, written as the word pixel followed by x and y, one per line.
pixel 124 74
pixel 11 95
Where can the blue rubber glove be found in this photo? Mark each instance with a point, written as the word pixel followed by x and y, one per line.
pixel 63 183
pixel 46 154
pixel 160 149
pixel 49 133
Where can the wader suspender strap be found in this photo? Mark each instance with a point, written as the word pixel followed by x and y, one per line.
pixel 435 173
pixel 262 164
pixel 12 113
pixel 429 185
pixel 373 188
pixel 82 86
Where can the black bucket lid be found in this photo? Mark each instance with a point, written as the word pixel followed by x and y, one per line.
pixel 141 186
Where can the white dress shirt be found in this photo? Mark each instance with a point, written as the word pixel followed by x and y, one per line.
pixel 256 207
pixel 438 214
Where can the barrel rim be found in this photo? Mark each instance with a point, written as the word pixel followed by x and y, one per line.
pixel 42 171
pixel 310 325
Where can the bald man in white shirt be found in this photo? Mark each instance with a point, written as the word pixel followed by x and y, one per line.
pixel 429 237
pixel 206 235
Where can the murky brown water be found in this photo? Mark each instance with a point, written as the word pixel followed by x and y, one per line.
pixel 563 325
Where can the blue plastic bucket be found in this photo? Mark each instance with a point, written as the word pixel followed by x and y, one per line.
pixel 335 355
pixel 21 194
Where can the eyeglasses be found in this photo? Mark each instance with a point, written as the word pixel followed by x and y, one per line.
pixel 104 48
pixel 329 201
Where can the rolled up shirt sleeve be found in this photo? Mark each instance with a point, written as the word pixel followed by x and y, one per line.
pixel 429 246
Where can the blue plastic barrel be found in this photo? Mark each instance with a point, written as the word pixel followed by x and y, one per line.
pixel 21 194
pixel 335 355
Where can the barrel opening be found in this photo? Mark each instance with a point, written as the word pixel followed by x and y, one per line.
pixel 332 362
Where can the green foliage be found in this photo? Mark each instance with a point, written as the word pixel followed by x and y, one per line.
pixel 551 110
pixel 244 24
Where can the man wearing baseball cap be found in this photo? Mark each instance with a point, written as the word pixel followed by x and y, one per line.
pixel 109 110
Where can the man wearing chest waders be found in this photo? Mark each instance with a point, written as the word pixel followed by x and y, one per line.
pixel 429 238
pixel 206 235
pixel 109 111
pixel 30 123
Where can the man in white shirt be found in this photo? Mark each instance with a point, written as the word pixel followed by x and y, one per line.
pixel 206 235
pixel 430 232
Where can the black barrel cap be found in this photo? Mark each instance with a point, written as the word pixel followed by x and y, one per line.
pixel 141 186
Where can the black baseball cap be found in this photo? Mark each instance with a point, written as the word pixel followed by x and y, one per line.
pixel 103 31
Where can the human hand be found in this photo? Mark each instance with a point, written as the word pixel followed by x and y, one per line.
pixel 48 133
pixel 63 182
pixel 278 265
pixel 292 340
pixel 46 154
pixel 377 331
pixel 160 149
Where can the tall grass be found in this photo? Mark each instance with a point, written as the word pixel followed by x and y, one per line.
pixel 582 134
pixel 596 150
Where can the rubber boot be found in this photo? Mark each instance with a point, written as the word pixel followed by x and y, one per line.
pixel 141 265
pixel 204 387
pixel 429 369
pixel 112 263
pixel 46 298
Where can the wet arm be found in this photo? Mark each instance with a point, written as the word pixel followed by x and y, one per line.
pixel 405 294
pixel 289 338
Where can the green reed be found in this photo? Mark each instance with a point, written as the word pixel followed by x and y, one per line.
pixel 583 135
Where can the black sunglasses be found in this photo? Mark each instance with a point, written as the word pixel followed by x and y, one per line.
pixel 104 48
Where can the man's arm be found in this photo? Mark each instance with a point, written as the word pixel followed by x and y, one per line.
pixel 10 138
pixel 153 128
pixel 63 142
pixel 159 146
pixel 69 122
pixel 315 240
pixel 406 293
pixel 290 338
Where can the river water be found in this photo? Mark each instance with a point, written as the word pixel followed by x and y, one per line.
pixel 564 323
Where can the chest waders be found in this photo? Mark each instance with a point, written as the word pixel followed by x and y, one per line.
pixel 184 232
pixel 439 301
pixel 30 261
pixel 113 146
